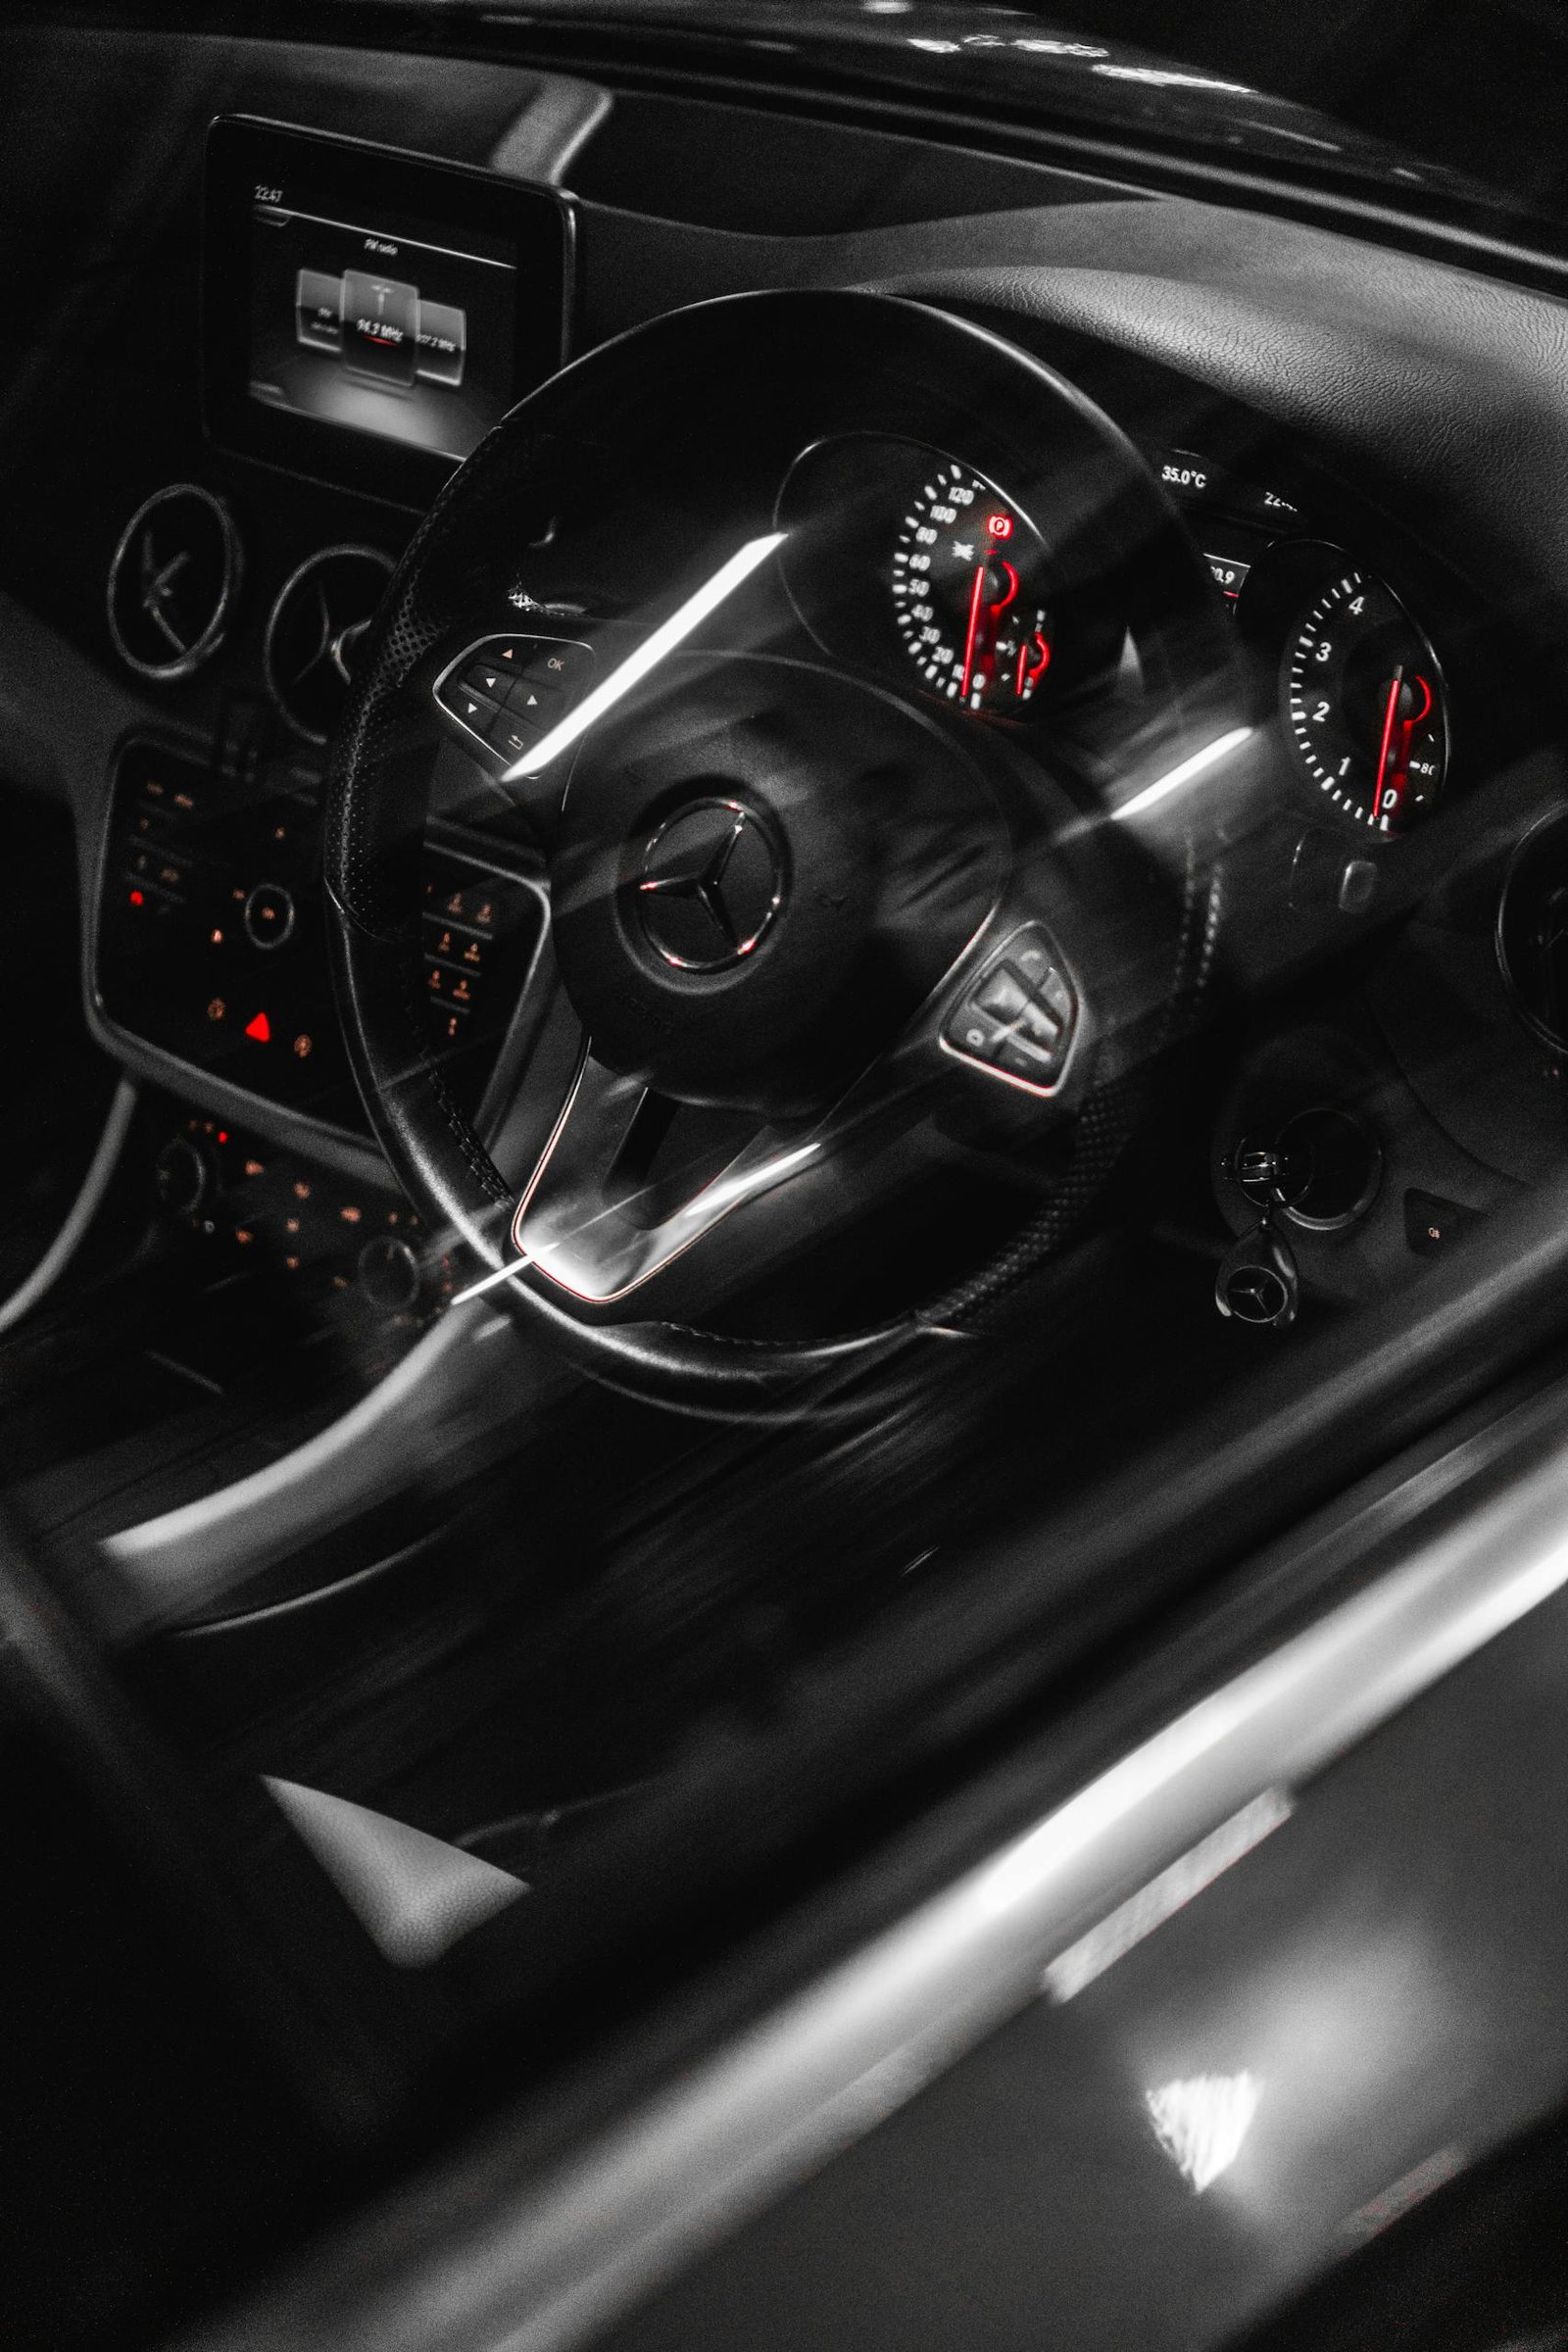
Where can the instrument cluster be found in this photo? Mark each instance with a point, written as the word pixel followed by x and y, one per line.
pixel 1354 686
pixel 903 559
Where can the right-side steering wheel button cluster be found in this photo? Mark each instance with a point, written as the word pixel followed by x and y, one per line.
pixel 508 691
pixel 1016 1019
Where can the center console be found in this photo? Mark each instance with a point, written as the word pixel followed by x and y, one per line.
pixel 283 372
pixel 211 955
pixel 367 316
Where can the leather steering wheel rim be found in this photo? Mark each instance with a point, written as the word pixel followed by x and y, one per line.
pixel 452 581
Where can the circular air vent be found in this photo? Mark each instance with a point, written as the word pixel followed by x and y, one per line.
pixel 317 628
pixel 173 581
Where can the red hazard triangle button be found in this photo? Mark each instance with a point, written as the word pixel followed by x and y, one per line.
pixel 261 1029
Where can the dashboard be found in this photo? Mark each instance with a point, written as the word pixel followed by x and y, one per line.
pixel 364 315
pixel 273 295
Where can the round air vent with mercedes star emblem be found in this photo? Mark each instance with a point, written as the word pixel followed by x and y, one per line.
pixel 317 627
pixel 173 580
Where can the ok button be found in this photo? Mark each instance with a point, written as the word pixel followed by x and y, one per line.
pixel 268 916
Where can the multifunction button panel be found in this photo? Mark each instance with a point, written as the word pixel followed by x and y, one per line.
pixel 212 942
pixel 1017 1018
pixel 505 694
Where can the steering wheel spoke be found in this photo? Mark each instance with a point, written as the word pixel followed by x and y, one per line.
pixel 598 1221
pixel 596 1218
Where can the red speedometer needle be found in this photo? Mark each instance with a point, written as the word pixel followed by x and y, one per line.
pixel 974 625
pixel 1390 714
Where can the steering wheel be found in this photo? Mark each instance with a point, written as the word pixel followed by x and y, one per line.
pixel 825 936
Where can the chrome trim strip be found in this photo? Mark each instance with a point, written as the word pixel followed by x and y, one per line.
pixel 542 2267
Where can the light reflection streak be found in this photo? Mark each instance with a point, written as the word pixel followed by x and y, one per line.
pixel 716 1200
pixel 1200 2122
pixel 647 657
pixel 1163 1895
pixel 1186 771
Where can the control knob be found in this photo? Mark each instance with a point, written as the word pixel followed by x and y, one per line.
pixel 390 1275
pixel 183 1176
pixel 268 916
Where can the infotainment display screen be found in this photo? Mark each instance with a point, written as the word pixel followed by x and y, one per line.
pixel 370 315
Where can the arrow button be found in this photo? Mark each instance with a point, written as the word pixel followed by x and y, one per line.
pixel 535 699
pixel 487 677
pixel 476 710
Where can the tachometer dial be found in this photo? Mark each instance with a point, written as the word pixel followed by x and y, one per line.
pixel 969 592
pixel 1364 703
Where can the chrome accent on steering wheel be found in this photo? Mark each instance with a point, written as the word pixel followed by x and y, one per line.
pixel 570 1227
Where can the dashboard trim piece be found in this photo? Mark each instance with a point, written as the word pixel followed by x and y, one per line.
pixel 1149 171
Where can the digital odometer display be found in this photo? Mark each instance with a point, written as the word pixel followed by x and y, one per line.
pixel 969 592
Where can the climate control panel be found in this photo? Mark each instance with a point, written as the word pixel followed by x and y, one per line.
pixel 327 1239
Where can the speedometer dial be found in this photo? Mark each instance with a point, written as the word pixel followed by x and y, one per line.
pixel 969 592
pixel 1364 703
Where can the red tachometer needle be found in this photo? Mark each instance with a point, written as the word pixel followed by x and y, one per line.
pixel 1030 672
pixel 974 627
pixel 1391 714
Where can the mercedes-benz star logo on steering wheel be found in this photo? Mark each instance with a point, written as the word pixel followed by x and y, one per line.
pixel 712 883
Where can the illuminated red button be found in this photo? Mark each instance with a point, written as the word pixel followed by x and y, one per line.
pixel 260 1028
